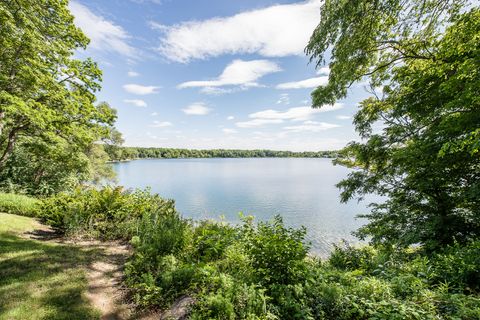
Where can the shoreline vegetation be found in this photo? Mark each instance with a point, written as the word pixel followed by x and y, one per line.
pixel 120 154
pixel 256 270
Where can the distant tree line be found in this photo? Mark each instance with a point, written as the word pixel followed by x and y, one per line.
pixel 118 153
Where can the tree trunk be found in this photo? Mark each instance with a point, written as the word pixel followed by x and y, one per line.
pixel 2 116
pixel 12 138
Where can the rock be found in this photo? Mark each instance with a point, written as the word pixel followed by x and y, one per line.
pixel 179 309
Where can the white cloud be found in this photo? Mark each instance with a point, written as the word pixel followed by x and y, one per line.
pixel 154 114
pixel 197 109
pixel 104 35
pixel 136 102
pixel 271 116
pixel 307 83
pixel 285 30
pixel 295 114
pixel 229 131
pixel 216 91
pixel 230 117
pixel 311 126
pixel 341 117
pixel 284 99
pixel 237 73
pixel 133 74
pixel 161 124
pixel 257 123
pixel 324 71
pixel 140 90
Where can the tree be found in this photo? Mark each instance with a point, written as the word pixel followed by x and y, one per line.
pixel 426 160
pixel 368 38
pixel 44 92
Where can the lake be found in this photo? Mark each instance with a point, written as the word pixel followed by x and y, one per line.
pixel 301 190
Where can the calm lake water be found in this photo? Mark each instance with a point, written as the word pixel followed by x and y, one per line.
pixel 301 190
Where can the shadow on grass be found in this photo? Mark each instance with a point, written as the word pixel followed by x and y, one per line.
pixel 43 280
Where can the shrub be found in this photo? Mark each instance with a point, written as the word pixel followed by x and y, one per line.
pixel 459 266
pixel 261 271
pixel 156 272
pixel 107 213
pixel 277 252
pixel 211 239
pixel 346 257
pixel 18 204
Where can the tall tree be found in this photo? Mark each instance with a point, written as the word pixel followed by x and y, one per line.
pixel 365 39
pixel 426 160
pixel 44 91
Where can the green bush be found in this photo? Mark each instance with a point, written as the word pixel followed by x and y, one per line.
pixel 156 273
pixel 18 204
pixel 459 266
pixel 277 252
pixel 107 213
pixel 211 239
pixel 262 271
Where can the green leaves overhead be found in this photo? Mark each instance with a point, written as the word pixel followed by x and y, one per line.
pixel 367 38
pixel 425 157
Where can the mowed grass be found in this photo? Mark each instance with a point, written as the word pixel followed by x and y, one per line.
pixel 41 280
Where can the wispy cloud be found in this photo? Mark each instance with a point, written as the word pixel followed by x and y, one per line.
pixel 311 126
pixel 257 123
pixel 229 131
pixel 140 90
pixel 285 31
pixel 230 117
pixel 197 109
pixel 271 116
pixel 238 73
pixel 133 74
pixel 104 35
pixel 216 91
pixel 307 83
pixel 323 71
pixel 284 99
pixel 136 102
pixel 295 114
pixel 341 117
pixel 161 124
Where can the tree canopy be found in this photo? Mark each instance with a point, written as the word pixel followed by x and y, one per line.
pixel 426 158
pixel 365 39
pixel 47 97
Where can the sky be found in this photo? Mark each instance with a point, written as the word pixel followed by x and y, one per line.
pixel 206 74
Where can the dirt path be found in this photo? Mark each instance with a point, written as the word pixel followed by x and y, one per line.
pixel 104 274
pixel 104 281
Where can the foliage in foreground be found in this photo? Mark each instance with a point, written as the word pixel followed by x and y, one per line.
pixel 262 270
pixel 425 80
pixel 107 213
pixel 18 204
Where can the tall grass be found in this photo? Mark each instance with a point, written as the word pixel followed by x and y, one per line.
pixel 18 204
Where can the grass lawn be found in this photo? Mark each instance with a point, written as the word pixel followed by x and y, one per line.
pixel 41 280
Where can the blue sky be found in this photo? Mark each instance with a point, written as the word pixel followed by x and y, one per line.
pixel 213 73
